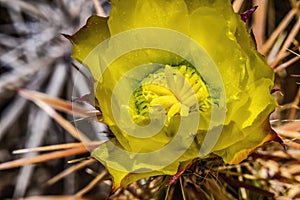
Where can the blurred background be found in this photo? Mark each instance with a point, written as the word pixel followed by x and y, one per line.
pixel 35 55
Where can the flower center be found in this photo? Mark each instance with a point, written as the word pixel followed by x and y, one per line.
pixel 178 90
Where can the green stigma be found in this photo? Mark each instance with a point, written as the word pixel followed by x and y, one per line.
pixel 178 90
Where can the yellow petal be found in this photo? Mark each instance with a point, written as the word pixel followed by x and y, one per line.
pixel 88 37
pixel 130 14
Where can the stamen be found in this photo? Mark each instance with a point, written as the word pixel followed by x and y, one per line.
pixel 177 89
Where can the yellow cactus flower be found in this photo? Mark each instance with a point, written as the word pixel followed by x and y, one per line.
pixel 176 80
